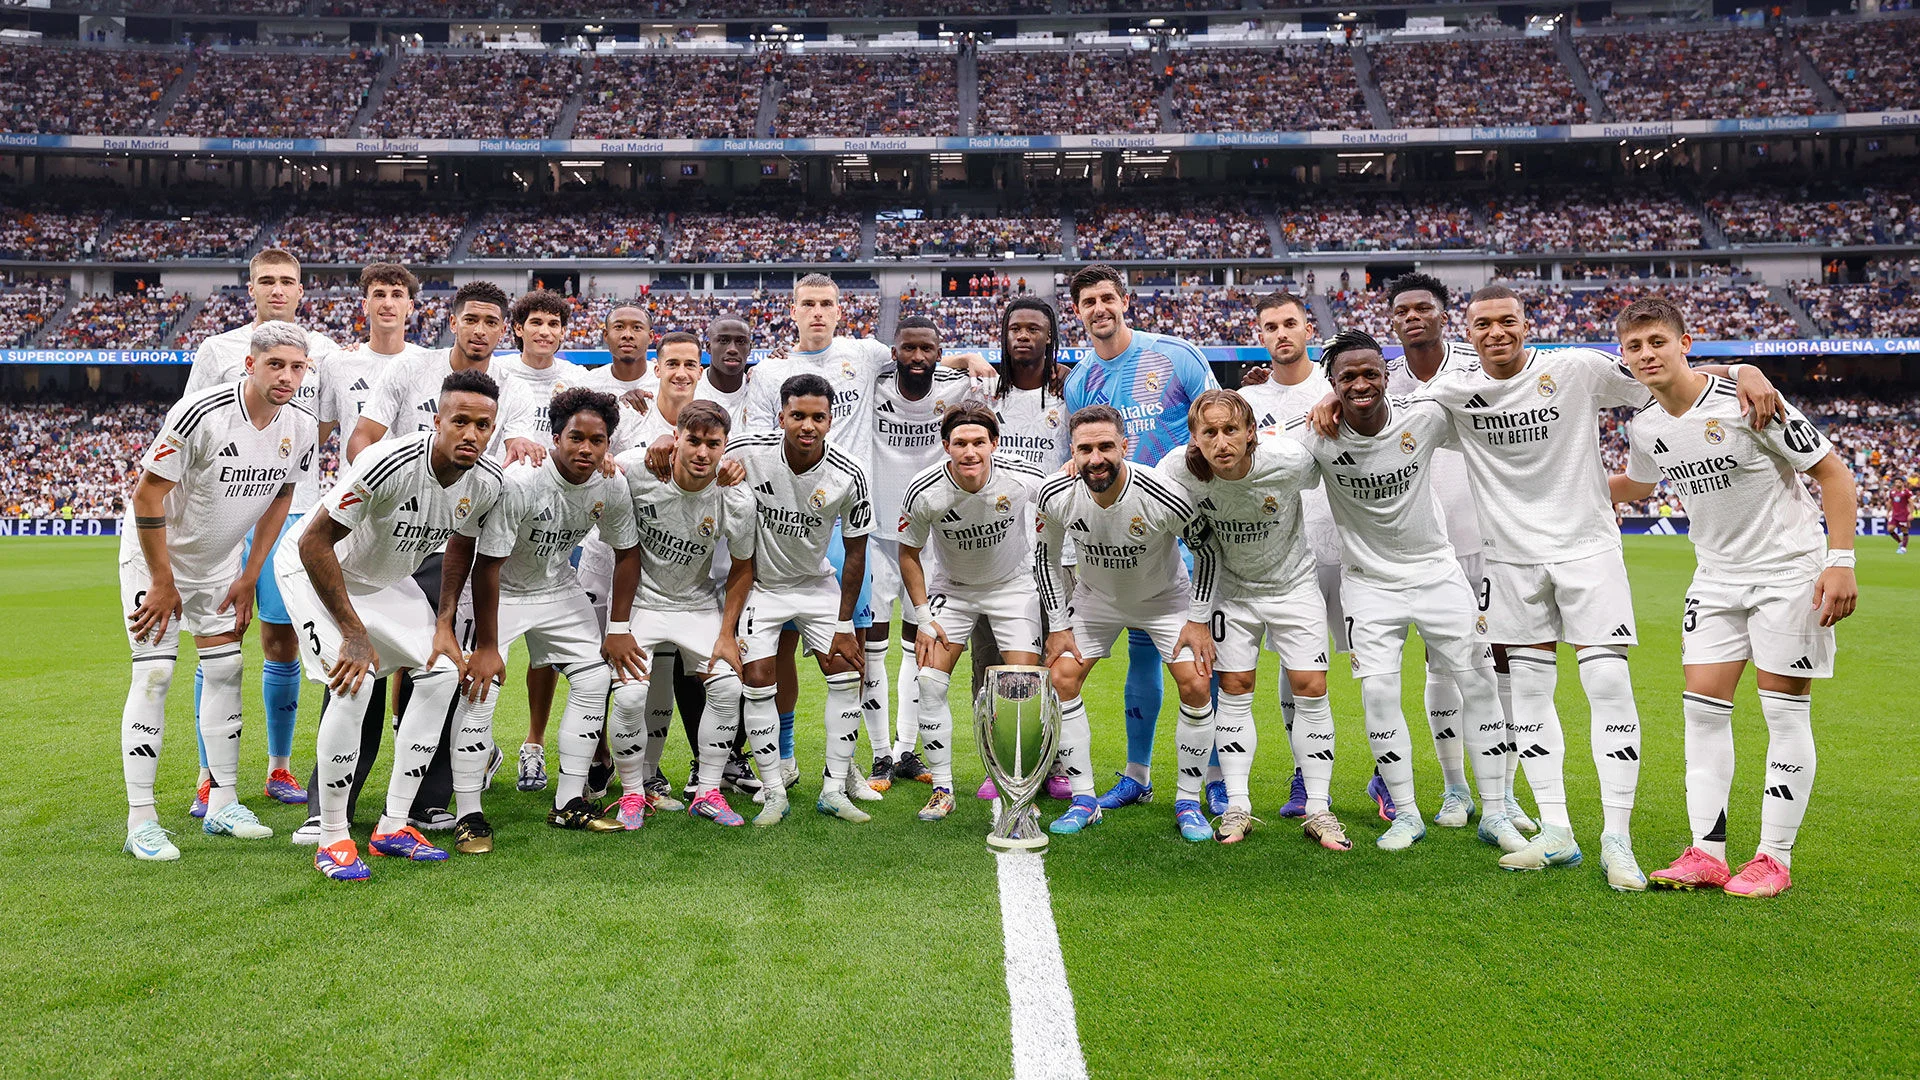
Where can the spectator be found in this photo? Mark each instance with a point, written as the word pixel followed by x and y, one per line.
pixel 1868 64
pixel 967 235
pixel 1378 222
pixel 501 95
pixel 274 95
pixel 1809 215
pixel 1566 219
pixel 26 303
pixel 1288 87
pixel 1079 93
pixel 1700 75
pixel 1172 227
pixel 692 97
pixel 855 96
pixel 1464 83
pixel 58 90
pixel 135 320
pixel 190 236
pixel 552 233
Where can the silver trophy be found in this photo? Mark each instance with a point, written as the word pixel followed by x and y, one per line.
pixel 1017 718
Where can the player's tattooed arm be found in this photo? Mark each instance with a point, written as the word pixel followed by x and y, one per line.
pixel 161 604
pixel 358 660
pixel 1836 592
pixel 726 647
pixel 621 651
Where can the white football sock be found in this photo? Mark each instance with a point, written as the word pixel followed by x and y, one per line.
pixel 1615 732
pixel 1483 733
pixel 580 724
pixel 1790 768
pixel 906 704
pixel 936 726
pixel 842 722
pixel 337 755
pixel 1313 741
pixel 659 710
pixel 472 749
pixel 1503 685
pixel 1445 721
pixel 1076 746
pixel 1387 735
pixel 1536 730
pixel 1193 738
pixel 416 741
pixel 219 721
pixel 873 699
pixel 719 723
pixel 1288 703
pixel 143 722
pixel 1709 723
pixel 762 717
pixel 1234 737
pixel 627 731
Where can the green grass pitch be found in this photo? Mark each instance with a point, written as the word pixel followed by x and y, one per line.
pixel 822 949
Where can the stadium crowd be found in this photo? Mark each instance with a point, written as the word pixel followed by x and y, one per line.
pixel 1869 65
pixel 540 233
pixel 704 97
pixel 1171 227
pixel 1718 309
pixel 26 303
pixel 767 311
pixel 74 91
pixel 1287 87
pixel 966 235
pixel 133 320
pixel 834 96
pixel 1781 214
pixel 1079 93
pixel 418 236
pixel 43 233
pixel 1463 83
pixel 195 236
pixel 1879 309
pixel 790 234
pixel 281 94
pixel 1378 222
pixel 59 458
pixel 336 312
pixel 511 95
pixel 1696 74
pixel 1568 219
pixel 963 320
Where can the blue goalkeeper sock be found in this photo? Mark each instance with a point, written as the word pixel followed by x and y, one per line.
pixel 199 680
pixel 280 693
pixel 1143 695
pixel 786 736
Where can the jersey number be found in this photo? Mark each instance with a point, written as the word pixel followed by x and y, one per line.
pixel 313 638
pixel 1485 593
pixel 1218 624
pixel 1692 617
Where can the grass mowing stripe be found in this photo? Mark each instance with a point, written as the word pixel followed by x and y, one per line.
pixel 1046 1038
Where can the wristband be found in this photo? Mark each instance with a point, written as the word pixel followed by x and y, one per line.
pixel 622 627
pixel 1842 557
pixel 922 615
pixel 844 626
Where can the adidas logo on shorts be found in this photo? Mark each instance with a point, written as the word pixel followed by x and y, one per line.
pixel 1803 664
pixel 1622 631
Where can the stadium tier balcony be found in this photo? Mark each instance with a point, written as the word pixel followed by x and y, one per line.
pixel 197 235
pixel 1869 65
pixel 339 238
pixel 1570 219
pixel 1696 75
pixel 966 235
pixel 26 303
pixel 511 95
pixel 1464 83
pixel 76 91
pixel 1289 87
pixel 671 98
pixel 1080 93
pixel 1378 222
pixel 1783 215
pixel 273 95
pixel 553 233
pixel 121 321
pixel 829 96
pixel 1172 227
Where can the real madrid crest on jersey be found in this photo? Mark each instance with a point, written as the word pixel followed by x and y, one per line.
pixel 846 369
pixel 1001 504
pixel 1270 506
pixel 464 508
pixel 1407 443
pixel 1715 433
pixel 706 526
pixel 1137 528
pixel 597 507
pixel 1547 385
pixel 819 499
pixel 1152 379
pixel 1053 418
pixel 1480 624
pixel 286 448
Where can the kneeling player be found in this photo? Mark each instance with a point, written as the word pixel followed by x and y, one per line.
pixel 1769 587
pixel 224 462
pixel 1126 521
pixel 1400 570
pixel 681 521
pixel 1249 493
pixel 347 580
pixel 524 586
pixel 975 509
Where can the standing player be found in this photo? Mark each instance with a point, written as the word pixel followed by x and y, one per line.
pixel 973 510
pixel 683 520
pixel 1150 379
pixel 1401 571
pixel 1126 521
pixel 1417 307
pixel 909 400
pixel 1899 510
pixel 1248 491
pixel 348 581
pixel 524 586
pixel 804 489
pixel 729 347
pixel 226 460
pixel 1769 587
pixel 273 284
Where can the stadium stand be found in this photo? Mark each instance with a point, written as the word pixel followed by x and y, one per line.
pixel 788 233
pixel 281 94
pixel 704 97
pixel 967 234
pixel 855 96
pixel 1876 310
pixel 56 454
pixel 146 238
pixel 1778 214
pixel 335 312
pixel 26 303
pixel 1171 226
pixel 1289 87
pixel 972 320
pixel 1378 222
pixel 1463 83
pixel 514 95
pixel 1080 93
pixel 767 312
pixel 41 232
pixel 57 90
pixel 339 237
pixel 1869 65
pixel 1561 218
pixel 554 232
pixel 137 320
pixel 1696 75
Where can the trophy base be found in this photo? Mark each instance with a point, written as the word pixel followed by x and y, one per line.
pixel 1018 830
pixel 1017 843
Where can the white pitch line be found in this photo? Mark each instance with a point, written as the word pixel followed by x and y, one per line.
pixel 1046 1039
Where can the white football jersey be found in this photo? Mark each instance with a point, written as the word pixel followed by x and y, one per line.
pixel 225 473
pixel 1532 447
pixel 541 517
pixel 1129 552
pixel 604 378
pixel 796 511
pixel 1751 519
pixel 1255 520
pixel 735 403
pixel 982 538
pixel 1033 424
pixel 347 382
pixel 1449 467
pixel 850 366
pixel 540 383
pixel 1274 405
pixel 1381 489
pixel 681 533
pixel 407 398
pixel 906 437
pixel 222 359
pixel 397 511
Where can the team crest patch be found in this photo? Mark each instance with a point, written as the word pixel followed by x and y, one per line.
pixel 1053 417
pixel 464 508
pixel 939 405
pixel 846 368
pixel 706 526
pixel 1407 443
pixel 286 448
pixel 595 512
pixel 1715 433
pixel 1137 528
pixel 1270 506
pixel 1480 624
pixel 1002 504
pixel 819 499
pixel 1152 379
pixel 1546 386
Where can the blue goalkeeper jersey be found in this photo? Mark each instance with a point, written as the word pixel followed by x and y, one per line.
pixel 1153 384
